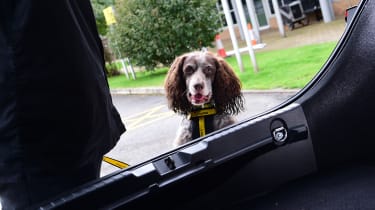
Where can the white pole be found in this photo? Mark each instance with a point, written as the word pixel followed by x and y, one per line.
pixel 247 35
pixel 327 10
pixel 235 10
pixel 279 20
pixel 124 68
pixel 131 68
pixel 232 34
pixel 253 19
pixel 122 61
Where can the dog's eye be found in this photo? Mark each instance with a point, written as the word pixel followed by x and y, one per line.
pixel 208 70
pixel 189 70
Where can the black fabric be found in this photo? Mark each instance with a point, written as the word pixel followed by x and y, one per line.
pixel 208 122
pixel 56 112
pixel 37 185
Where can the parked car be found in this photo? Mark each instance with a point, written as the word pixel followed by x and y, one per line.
pixel 314 151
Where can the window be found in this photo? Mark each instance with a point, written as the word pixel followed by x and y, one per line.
pixel 151 126
pixel 220 9
pixel 272 11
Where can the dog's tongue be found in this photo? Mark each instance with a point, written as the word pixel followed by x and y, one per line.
pixel 198 96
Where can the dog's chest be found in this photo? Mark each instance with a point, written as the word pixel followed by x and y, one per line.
pixel 201 126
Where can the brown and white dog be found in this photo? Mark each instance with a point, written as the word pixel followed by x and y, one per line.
pixel 198 80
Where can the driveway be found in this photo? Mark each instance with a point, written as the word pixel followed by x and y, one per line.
pixel 314 33
pixel 151 126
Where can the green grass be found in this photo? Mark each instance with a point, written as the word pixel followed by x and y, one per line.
pixel 143 79
pixel 289 68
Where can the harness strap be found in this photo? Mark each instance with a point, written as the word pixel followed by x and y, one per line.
pixel 202 113
pixel 202 121
pixel 202 126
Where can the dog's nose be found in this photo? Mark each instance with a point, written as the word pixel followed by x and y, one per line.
pixel 198 87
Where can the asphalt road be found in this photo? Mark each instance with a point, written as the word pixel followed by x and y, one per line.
pixel 151 126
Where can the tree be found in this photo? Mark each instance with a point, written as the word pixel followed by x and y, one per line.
pixel 98 6
pixel 152 32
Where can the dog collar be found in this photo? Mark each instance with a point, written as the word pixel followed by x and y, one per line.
pixel 202 113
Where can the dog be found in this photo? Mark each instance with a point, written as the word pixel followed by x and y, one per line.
pixel 204 89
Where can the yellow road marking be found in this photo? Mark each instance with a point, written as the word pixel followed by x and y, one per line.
pixel 146 117
pixel 139 120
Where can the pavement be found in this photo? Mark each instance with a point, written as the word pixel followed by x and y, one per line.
pixel 314 33
pixel 160 91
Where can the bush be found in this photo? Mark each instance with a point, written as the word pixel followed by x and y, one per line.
pixel 111 68
pixel 152 32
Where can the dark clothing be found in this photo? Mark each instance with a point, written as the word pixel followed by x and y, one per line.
pixel 56 113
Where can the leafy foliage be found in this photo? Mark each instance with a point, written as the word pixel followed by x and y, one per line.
pixel 153 32
pixel 111 67
pixel 98 6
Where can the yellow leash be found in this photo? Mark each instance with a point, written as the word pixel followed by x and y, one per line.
pixel 202 131
pixel 115 162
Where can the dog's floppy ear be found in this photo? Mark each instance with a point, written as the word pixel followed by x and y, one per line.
pixel 227 89
pixel 175 87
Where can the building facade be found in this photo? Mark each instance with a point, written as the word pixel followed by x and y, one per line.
pixel 266 15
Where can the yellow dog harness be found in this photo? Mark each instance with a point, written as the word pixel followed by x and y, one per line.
pixel 204 117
